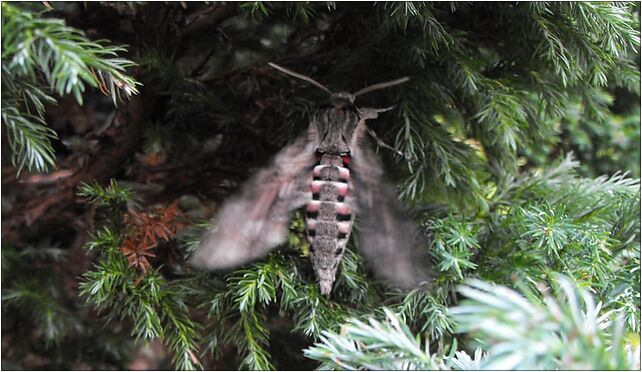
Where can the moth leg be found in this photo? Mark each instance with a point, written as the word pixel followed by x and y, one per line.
pixel 381 143
pixel 385 109
pixel 369 113
pixel 373 113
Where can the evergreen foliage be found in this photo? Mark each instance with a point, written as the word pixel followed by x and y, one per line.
pixel 518 332
pixel 519 139
pixel 40 57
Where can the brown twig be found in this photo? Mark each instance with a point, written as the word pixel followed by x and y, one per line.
pixel 119 142
pixel 208 17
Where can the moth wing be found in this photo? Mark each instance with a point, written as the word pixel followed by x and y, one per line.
pixel 388 238
pixel 256 220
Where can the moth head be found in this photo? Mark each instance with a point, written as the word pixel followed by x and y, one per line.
pixel 341 99
pixel 336 135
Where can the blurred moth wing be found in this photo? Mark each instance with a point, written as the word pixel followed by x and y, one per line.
pixel 388 238
pixel 256 220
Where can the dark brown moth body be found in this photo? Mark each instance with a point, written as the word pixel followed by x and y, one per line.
pixel 331 172
pixel 329 216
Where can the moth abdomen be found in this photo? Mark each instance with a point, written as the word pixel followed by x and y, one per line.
pixel 331 172
pixel 344 217
pixel 328 190
pixel 328 218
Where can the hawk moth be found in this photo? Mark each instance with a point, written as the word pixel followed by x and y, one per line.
pixel 330 170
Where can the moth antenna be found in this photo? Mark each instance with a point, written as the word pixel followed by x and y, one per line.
pixel 302 77
pixel 386 84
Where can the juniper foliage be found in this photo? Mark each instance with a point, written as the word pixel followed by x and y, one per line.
pixel 519 130
pixel 40 57
pixel 570 332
